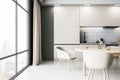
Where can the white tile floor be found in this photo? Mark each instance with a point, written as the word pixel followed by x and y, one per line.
pixel 47 71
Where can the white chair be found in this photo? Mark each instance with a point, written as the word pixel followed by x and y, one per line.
pixel 65 55
pixel 98 60
pixel 116 56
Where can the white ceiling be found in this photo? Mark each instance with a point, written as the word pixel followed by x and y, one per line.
pixel 79 2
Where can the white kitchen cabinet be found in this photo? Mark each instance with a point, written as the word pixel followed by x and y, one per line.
pixel 66 25
pixel 100 16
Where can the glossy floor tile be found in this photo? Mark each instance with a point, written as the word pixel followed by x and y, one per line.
pixel 49 70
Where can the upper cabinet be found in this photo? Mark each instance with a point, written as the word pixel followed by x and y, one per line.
pixel 100 16
pixel 68 19
pixel 66 25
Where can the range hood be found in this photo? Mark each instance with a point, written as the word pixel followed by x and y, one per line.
pixel 110 26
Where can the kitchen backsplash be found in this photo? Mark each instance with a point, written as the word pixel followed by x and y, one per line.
pixel 93 34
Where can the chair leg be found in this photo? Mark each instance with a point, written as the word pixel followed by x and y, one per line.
pixel 62 63
pixel 107 74
pixel 92 73
pixel 69 64
pixel 116 59
pixel 84 68
pixel 58 64
pixel 89 74
pixel 104 74
pixel 73 64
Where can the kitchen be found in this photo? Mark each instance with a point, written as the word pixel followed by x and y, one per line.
pixel 84 25
pixel 67 19
pixel 77 24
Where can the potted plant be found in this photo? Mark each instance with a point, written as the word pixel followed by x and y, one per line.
pixel 100 42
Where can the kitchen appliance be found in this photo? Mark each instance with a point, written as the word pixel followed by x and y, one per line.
pixel 110 27
pixel 83 37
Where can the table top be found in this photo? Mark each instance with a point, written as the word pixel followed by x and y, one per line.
pixel 112 49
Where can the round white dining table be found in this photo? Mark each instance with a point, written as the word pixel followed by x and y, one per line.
pixel 111 49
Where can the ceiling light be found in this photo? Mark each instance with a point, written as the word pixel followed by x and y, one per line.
pixel 87 5
pixel 57 5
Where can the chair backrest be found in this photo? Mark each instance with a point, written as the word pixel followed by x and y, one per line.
pixel 98 60
pixel 62 53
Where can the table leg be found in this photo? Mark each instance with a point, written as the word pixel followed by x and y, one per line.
pixel 84 68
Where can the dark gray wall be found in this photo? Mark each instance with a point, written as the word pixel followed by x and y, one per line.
pixel 47 15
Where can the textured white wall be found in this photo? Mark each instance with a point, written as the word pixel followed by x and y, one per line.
pixel 109 35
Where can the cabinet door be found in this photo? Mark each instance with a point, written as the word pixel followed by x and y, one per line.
pixel 100 16
pixel 66 25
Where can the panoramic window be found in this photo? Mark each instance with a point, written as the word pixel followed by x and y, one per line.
pixel 14 37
